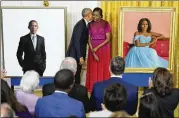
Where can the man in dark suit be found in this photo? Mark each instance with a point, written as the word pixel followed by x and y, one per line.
pixel 59 104
pixel 117 67
pixel 77 92
pixel 33 47
pixel 79 40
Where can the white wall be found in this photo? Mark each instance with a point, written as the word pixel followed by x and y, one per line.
pixel 74 9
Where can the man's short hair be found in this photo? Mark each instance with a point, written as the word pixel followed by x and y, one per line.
pixel 64 79
pixel 85 11
pixel 117 65
pixel 29 81
pixel 115 97
pixel 30 23
pixel 69 63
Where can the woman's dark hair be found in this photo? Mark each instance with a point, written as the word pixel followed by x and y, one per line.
pixel 162 81
pixel 139 27
pixel 98 10
pixel 115 97
pixel 7 96
pixel 149 106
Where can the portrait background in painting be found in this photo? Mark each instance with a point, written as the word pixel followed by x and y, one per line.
pixel 161 23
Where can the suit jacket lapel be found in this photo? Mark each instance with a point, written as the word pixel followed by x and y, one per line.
pixel 38 41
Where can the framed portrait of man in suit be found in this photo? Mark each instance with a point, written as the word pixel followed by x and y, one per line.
pixel 34 38
pixel 147 38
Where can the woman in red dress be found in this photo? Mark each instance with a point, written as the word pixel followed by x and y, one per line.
pixel 99 54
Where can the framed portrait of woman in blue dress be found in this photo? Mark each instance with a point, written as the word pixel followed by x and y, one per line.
pixel 146 38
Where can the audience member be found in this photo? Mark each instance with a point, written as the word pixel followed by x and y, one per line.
pixel 59 104
pixel 167 96
pixel 29 83
pixel 117 67
pixel 7 111
pixel 115 99
pixel 7 96
pixel 77 92
pixel 3 73
pixel 48 89
pixel 150 103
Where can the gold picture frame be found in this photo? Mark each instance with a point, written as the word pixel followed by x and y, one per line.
pixel 128 14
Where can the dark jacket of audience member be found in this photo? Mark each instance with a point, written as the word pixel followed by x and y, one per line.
pixel 165 99
pixel 117 67
pixel 7 96
pixel 114 102
pixel 59 104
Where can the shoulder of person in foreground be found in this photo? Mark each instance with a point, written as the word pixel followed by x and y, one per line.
pixel 79 107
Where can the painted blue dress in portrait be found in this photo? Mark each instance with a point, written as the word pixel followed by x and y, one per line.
pixel 144 57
